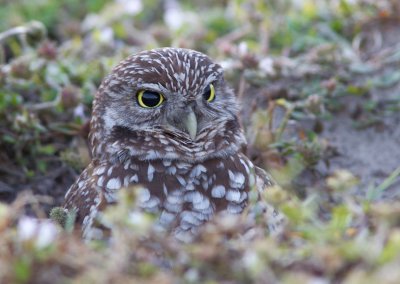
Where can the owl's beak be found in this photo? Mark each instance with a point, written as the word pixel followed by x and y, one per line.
pixel 190 123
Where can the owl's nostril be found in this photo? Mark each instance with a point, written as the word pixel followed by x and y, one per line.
pixel 191 104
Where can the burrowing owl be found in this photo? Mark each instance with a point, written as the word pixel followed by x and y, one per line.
pixel 166 119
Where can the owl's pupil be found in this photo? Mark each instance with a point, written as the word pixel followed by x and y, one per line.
pixel 207 93
pixel 149 99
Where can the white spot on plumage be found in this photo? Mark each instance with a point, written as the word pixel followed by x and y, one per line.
pixel 150 172
pixel 152 154
pixel 236 180
pixel 134 178
pixel 143 195
pixel 244 165
pixel 175 208
pixel 193 196
pixel 189 186
pixel 126 181
pixel 189 217
pixel 100 181
pixel 110 169
pixel 182 165
pixel 203 216
pixel 205 184
pixel 171 170
pixel 166 218
pixel 151 203
pixel 114 183
pixel 218 191
pixel 202 205
pixel 181 180
pixel 127 164
pixel 99 170
pixel 134 167
pixel 197 170
pixel 209 145
pixel 165 142
pixel 233 195
pixel 165 189
pixel 185 226
pixel 234 208
pixel 174 199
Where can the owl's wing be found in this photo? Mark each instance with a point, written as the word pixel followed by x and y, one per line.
pixel 85 198
pixel 263 179
pixel 275 220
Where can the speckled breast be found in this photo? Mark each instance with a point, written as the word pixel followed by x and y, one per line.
pixel 186 194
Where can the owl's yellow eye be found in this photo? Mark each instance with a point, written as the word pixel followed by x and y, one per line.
pixel 149 99
pixel 209 93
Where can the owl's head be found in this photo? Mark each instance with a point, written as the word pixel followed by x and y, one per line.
pixel 174 99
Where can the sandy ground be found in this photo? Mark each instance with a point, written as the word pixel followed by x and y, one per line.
pixel 372 154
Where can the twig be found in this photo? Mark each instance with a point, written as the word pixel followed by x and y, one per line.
pixel 21 32
pixel 47 105
pixel 44 105
pixel 29 28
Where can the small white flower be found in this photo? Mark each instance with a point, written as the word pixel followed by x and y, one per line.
pixel 106 35
pixel 267 65
pixel 41 232
pixel 228 64
pixel 192 275
pixel 175 17
pixel 47 233
pixel 27 227
pixel 131 7
pixel 251 259
pixel 91 21
pixel 136 218
pixel 243 48
pixel 79 111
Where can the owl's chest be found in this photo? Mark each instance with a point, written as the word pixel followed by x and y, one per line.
pixel 173 185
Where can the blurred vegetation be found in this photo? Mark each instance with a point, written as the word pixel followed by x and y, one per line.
pixel 289 61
